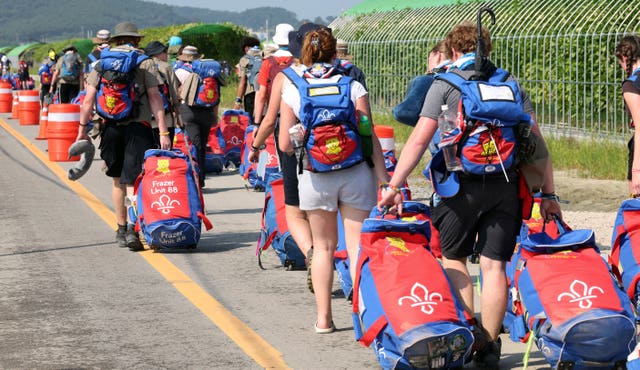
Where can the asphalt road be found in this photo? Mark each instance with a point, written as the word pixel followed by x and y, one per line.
pixel 70 299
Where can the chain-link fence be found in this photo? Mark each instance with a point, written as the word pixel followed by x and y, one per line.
pixel 562 52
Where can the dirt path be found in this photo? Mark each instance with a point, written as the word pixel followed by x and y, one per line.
pixel 592 203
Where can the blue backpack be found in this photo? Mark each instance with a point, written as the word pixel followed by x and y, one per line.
pixel 169 204
pixel 332 139
pixel 208 71
pixel 274 231
pixel 493 115
pixel 404 306
pixel 117 98
pixel 45 73
pixel 578 316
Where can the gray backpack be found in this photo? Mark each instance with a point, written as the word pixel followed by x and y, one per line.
pixel 70 67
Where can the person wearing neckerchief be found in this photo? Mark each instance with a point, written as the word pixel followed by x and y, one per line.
pixel 351 190
pixel 484 210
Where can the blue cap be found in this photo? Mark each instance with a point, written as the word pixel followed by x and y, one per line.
pixel 443 182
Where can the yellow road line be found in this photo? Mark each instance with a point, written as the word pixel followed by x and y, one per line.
pixel 248 340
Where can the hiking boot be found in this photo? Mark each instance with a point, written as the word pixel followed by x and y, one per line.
pixel 309 280
pixel 488 356
pixel 120 236
pixel 132 239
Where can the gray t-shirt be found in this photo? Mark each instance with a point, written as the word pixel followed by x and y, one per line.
pixel 441 93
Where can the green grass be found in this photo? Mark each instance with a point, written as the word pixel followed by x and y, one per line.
pixel 593 157
pixel 589 158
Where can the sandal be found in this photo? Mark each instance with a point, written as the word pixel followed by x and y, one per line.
pixel 328 330
pixel 309 280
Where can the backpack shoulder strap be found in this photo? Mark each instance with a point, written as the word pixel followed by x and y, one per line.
pixel 295 79
pixel 452 78
pixel 500 75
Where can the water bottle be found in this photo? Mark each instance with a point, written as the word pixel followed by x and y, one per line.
pixel 296 134
pixel 447 123
pixel 365 134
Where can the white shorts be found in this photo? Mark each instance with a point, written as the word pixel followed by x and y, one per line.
pixel 356 187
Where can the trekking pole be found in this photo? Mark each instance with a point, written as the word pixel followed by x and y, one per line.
pixel 480 43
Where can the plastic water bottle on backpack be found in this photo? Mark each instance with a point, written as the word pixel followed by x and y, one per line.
pixel 296 134
pixel 447 125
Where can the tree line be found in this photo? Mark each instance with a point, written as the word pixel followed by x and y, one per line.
pixel 47 21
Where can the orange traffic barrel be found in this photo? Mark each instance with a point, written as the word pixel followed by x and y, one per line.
pixel 44 117
pixel 15 104
pixel 62 130
pixel 6 97
pixel 29 107
pixel 386 137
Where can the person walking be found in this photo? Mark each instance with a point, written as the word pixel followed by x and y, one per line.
pixel 196 118
pixel 45 72
pixel 68 75
pixel 100 42
pixel 123 142
pixel 343 61
pixel 296 218
pixel 271 66
pixel 168 89
pixel 348 184
pixel 485 213
pixel 628 54
pixel 248 66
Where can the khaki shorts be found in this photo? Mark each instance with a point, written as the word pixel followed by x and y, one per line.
pixel 355 187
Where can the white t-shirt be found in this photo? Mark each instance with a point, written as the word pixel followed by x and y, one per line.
pixel 291 96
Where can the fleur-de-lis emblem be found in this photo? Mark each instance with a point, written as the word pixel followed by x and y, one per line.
pixel 421 298
pixel 116 64
pixel 234 141
pixel 325 115
pixel 581 293
pixel 165 204
pixel 272 159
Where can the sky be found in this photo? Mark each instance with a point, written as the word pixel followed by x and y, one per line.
pixel 302 8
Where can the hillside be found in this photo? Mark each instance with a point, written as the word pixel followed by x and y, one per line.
pixel 47 21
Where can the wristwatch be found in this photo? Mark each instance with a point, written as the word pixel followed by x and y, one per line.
pixel 261 147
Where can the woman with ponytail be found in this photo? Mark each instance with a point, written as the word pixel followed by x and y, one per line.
pixel 348 187
pixel 628 54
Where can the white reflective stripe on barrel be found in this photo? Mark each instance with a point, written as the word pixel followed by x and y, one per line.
pixel 387 143
pixel 64 117
pixel 29 98
pixel 5 91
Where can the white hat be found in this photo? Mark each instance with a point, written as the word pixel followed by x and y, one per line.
pixel 282 34
pixel 102 37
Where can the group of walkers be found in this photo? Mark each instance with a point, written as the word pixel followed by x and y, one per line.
pixel 482 216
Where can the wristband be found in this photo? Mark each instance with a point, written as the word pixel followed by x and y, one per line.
pixel 397 190
pixel 550 196
pixel 384 185
pixel 85 125
pixel 166 133
pixel 238 99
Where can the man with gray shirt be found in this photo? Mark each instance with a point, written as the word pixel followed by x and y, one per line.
pixel 483 212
